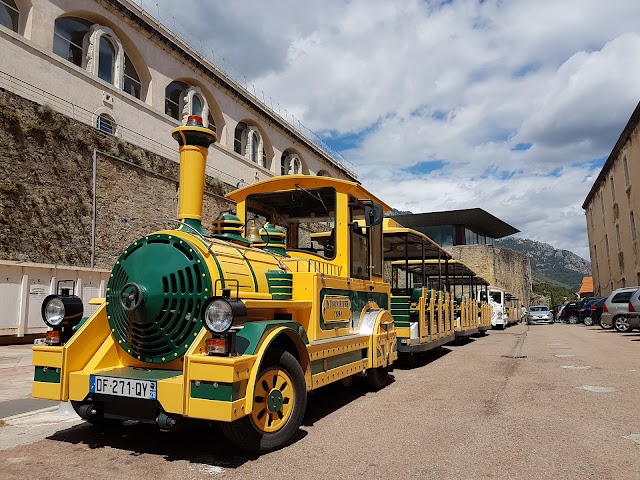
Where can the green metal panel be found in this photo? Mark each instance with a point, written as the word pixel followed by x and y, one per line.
pixel 248 339
pixel 47 375
pixel 226 392
pixel 175 281
pixel 280 284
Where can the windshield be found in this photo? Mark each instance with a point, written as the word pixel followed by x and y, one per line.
pixel 538 309
pixel 305 216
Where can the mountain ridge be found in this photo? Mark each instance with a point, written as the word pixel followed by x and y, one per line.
pixel 549 264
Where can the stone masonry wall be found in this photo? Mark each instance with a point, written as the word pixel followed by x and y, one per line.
pixel 46 189
pixel 501 267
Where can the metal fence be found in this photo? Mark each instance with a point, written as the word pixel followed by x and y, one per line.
pixel 180 34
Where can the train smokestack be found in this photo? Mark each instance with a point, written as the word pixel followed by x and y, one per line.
pixel 194 140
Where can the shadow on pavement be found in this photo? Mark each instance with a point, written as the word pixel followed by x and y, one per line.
pixel 326 400
pixel 197 443
pixel 421 359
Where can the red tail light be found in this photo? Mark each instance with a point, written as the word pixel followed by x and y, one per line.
pixel 604 308
pixel 593 308
pixel 631 309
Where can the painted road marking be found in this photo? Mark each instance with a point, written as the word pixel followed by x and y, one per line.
pixel 594 389
pixel 564 356
pixel 634 437
pixel 576 367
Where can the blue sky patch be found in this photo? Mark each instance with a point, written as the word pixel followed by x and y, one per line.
pixel 521 147
pixel 345 142
pixel 425 167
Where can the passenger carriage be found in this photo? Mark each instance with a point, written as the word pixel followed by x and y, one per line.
pixel 423 310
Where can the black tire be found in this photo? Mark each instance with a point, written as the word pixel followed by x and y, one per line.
pixel 621 325
pixel 377 377
pixel 245 434
pixel 97 420
pixel 588 321
pixel 573 319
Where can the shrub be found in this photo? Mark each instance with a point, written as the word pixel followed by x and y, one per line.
pixel 45 109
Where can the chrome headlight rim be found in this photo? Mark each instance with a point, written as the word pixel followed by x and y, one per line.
pixel 51 317
pixel 220 314
pixel 61 310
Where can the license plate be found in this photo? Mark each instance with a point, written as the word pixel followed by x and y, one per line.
pixel 123 387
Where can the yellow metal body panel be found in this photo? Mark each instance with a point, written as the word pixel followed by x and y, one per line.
pixel 47 356
pixel 336 374
pixel 171 394
pixel 193 160
pixel 217 409
pixel 49 391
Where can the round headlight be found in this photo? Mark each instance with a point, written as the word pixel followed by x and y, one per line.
pixel 54 312
pixel 218 316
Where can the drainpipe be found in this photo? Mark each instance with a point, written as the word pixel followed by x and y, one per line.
pixel 93 214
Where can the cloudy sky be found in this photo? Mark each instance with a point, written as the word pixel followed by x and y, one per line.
pixel 512 106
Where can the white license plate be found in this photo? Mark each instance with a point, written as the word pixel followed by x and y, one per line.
pixel 123 387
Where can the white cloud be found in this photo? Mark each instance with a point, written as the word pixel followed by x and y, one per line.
pixel 458 82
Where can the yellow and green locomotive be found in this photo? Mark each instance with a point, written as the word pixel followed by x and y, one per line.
pixel 234 325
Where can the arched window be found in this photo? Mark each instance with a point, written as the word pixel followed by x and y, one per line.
pixel 237 138
pixel 98 50
pixel 211 125
pixel 196 105
pixel 68 38
pixel 131 84
pixel 172 100
pixel 106 124
pixel 290 164
pixel 182 100
pixel 9 14
pixel 247 141
pixel 106 60
pixel 255 143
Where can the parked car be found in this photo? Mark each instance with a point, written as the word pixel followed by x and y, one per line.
pixel 539 313
pixel 584 313
pixel 633 317
pixel 570 312
pixel 616 307
pixel 596 313
pixel 555 311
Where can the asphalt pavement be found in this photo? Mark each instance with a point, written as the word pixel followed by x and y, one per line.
pixel 531 402
pixel 16 375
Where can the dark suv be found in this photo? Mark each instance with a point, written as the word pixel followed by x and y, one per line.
pixel 571 312
pixel 585 311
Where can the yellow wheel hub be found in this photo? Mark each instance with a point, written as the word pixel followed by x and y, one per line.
pixel 273 400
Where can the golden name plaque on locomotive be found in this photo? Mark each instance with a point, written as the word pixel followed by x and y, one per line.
pixel 336 308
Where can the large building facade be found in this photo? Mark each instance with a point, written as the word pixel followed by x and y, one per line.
pixel 121 81
pixel 110 64
pixel 612 208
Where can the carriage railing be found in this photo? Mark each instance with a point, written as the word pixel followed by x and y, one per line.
pixel 308 265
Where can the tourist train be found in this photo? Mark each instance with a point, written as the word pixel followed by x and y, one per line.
pixel 306 283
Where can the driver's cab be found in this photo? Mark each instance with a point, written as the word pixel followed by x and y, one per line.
pixel 335 225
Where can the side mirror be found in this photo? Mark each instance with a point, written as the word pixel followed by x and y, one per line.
pixel 373 214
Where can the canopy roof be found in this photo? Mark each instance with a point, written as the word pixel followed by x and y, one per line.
pixel 457 270
pixel 401 242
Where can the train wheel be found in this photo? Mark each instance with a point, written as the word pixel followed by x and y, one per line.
pixel 279 403
pixel 377 377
